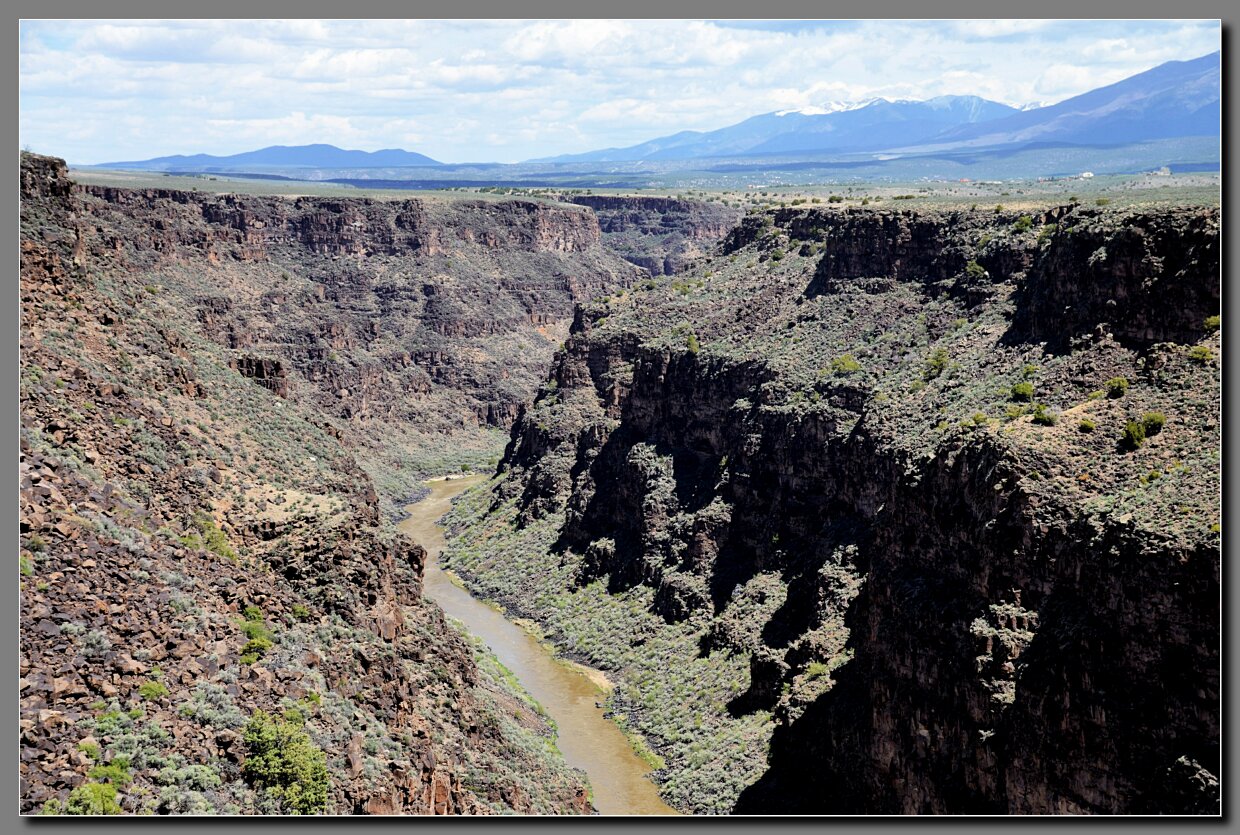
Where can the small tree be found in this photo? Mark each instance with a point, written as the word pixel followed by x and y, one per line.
pixel 283 761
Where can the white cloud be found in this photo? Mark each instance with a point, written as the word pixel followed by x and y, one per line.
pixel 567 40
pixel 510 90
pixel 998 28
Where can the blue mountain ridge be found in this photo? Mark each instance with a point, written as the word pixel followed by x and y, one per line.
pixel 295 156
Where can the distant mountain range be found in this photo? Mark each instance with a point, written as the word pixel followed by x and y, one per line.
pixel 283 156
pixel 1175 99
pixel 839 127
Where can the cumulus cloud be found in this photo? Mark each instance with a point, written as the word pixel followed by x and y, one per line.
pixel 95 91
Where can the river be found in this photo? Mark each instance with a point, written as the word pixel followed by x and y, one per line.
pixel 570 693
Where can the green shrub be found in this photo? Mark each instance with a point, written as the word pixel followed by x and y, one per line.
pixel 1213 323
pixel 1047 232
pixel 1153 422
pixel 835 198
pixel 1022 392
pixel 301 611
pixel 691 343
pixel 1086 425
pixel 1023 223
pixel 1134 435
pixel 936 363
pixel 216 541
pixel 254 649
pixel 974 270
pixel 1116 387
pixel 846 364
pixel 1044 416
pixel 116 772
pixel 1102 201
pixel 1029 371
pixel 816 669
pixel 92 799
pixel 255 629
pixel 285 763
pixel 777 255
pixel 152 690
pixel 258 634
pixel 1201 354
pixel 980 419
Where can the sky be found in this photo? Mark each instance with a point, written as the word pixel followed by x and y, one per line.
pixel 506 91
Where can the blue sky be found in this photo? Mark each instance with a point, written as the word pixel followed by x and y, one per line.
pixel 97 91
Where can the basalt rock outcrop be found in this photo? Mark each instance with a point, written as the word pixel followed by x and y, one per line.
pixel 268 373
pixel 197 548
pixel 881 461
pixel 662 234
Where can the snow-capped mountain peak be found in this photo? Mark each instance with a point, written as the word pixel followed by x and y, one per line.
pixel 830 107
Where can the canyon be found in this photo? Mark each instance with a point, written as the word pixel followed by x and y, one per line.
pixel 844 500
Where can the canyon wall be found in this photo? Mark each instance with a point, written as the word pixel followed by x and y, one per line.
pixel 664 235
pixel 199 544
pixel 881 460
pixel 411 326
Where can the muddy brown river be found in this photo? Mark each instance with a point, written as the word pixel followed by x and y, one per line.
pixel 618 777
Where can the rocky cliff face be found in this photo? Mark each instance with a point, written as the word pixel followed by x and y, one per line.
pixel 662 234
pixel 883 462
pixel 198 544
pixel 413 326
